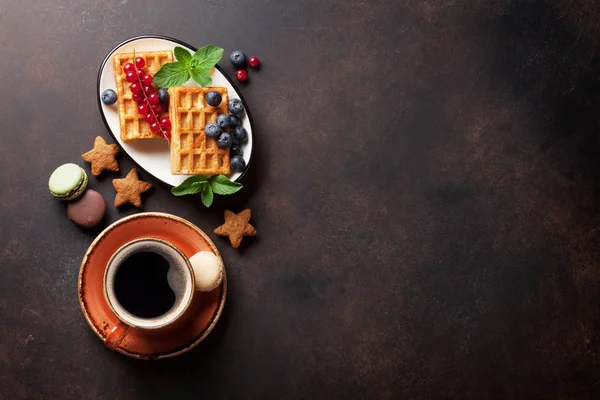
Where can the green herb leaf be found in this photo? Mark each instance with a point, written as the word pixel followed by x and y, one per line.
pixel 171 74
pixel 207 196
pixel 206 57
pixel 220 184
pixel 202 185
pixel 197 65
pixel 192 185
pixel 201 77
pixel 183 56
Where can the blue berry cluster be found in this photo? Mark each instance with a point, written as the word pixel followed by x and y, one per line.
pixel 228 129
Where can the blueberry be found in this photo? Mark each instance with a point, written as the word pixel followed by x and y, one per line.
pixel 237 163
pixel 213 98
pixel 238 59
pixel 223 121
pixel 234 121
pixel 224 141
pixel 163 96
pixel 240 135
pixel 235 150
pixel 212 130
pixel 109 97
pixel 236 106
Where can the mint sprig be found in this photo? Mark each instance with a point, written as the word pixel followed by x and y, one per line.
pixel 207 187
pixel 188 65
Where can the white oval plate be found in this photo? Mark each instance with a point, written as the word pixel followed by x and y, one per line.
pixel 152 155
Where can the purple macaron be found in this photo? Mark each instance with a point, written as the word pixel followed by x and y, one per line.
pixel 88 210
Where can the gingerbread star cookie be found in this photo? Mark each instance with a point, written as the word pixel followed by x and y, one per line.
pixel 102 157
pixel 129 189
pixel 236 226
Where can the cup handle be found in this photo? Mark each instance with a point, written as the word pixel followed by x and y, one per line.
pixel 116 335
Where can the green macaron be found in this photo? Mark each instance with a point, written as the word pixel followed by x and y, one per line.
pixel 68 182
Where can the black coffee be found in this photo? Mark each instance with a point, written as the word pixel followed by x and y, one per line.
pixel 141 285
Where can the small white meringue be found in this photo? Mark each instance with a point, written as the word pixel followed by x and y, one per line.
pixel 208 270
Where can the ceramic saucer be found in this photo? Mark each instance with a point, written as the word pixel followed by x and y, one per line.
pixel 199 319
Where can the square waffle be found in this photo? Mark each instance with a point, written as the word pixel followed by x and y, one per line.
pixel 192 152
pixel 133 125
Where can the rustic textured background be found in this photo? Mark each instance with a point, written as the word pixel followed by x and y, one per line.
pixel 424 185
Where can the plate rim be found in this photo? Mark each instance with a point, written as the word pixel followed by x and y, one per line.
pixel 177 351
pixel 194 48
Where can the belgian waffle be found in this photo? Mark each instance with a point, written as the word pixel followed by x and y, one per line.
pixel 192 152
pixel 133 125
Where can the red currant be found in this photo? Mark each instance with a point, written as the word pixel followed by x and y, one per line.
pixel 138 97
pixel 147 79
pixel 135 88
pixel 154 127
pixel 153 98
pixel 144 109
pixel 140 72
pixel 157 109
pixel 140 62
pixel 167 134
pixel 254 62
pixel 129 67
pixel 165 123
pixel 130 77
pixel 148 90
pixel 241 75
pixel 150 118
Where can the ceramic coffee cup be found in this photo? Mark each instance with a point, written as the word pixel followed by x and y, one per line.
pixel 148 284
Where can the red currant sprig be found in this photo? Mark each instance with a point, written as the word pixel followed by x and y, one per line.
pixel 142 92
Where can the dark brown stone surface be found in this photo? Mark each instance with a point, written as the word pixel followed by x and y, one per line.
pixel 424 185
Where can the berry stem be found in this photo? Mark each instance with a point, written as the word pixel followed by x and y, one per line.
pixel 139 79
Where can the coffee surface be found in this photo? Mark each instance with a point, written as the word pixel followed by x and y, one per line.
pixel 141 285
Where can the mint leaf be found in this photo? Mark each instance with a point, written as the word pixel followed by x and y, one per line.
pixel 201 76
pixel 171 74
pixel 183 56
pixel 207 196
pixel 192 179
pixel 202 185
pixel 220 184
pixel 194 188
pixel 192 185
pixel 206 57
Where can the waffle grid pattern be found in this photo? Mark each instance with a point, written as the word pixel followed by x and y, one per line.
pixel 133 125
pixel 192 152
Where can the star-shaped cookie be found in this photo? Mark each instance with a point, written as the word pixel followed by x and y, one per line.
pixel 102 157
pixel 236 226
pixel 129 189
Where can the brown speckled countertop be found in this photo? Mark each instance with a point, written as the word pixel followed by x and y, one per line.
pixel 425 184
